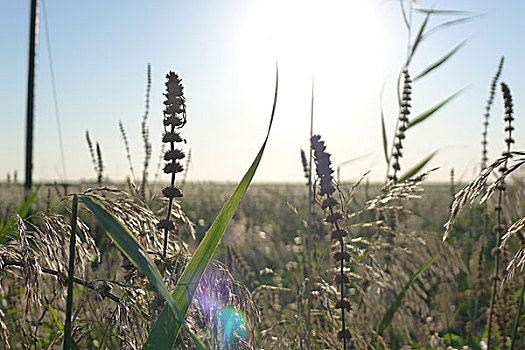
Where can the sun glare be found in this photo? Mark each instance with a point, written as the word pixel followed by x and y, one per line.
pixel 326 39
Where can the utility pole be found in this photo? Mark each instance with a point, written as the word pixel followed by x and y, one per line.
pixel 33 36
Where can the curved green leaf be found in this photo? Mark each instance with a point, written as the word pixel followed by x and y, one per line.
pixel 447 24
pixel 60 326
pixel 439 62
pixel 417 168
pixel 425 115
pixel 58 322
pixel 165 329
pixel 387 319
pixel 129 245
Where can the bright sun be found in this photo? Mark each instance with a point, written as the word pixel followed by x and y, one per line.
pixel 340 43
pixel 315 38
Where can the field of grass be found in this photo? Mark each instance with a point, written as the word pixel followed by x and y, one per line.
pixel 262 267
pixel 162 263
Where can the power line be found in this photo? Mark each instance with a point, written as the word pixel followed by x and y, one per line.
pixel 59 130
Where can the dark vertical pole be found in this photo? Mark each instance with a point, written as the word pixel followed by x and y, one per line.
pixel 33 34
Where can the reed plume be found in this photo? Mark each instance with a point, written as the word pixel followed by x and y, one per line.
pixel 306 166
pixel 146 137
pixel 96 158
pixel 100 165
pixel 174 118
pixel 330 203
pixel 403 125
pixel 500 228
pixel 486 115
pixel 127 149
pixel 91 151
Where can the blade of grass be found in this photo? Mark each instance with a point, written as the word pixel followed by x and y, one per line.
pixel 427 114
pixel 442 12
pixel 448 24
pixel 387 319
pixel 417 168
pixel 404 13
pixel 346 162
pixel 58 322
pixel 385 141
pixel 129 245
pixel 60 326
pixel 418 39
pixel 6 231
pixel 383 127
pixel 165 330
pixel 439 62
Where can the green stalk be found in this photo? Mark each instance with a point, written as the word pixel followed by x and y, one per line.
pixel 518 315
pixel 70 274
pixel 309 233
pixel 496 272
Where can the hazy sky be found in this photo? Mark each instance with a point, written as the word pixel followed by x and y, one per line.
pixel 225 52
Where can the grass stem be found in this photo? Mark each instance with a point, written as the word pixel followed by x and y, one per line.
pixel 70 275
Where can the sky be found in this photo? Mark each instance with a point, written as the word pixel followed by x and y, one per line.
pixel 226 53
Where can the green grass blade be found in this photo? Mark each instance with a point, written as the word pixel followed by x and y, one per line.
pixel 442 12
pixel 23 211
pixel 385 141
pixel 129 245
pixel 417 168
pixel 427 114
pixel 404 13
pixel 439 62
pixel 448 24
pixel 165 330
pixel 387 319
pixel 418 39
pixel 58 322
pixel 383 128
pixel 60 326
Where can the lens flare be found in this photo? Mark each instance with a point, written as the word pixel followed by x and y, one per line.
pixel 233 323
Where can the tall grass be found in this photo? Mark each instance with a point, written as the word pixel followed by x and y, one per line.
pixel 329 266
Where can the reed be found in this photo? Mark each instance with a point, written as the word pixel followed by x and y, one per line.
pixel 127 149
pixel 486 115
pixel 403 123
pixel 174 119
pixel 500 228
pixel 329 203
pixel 146 136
